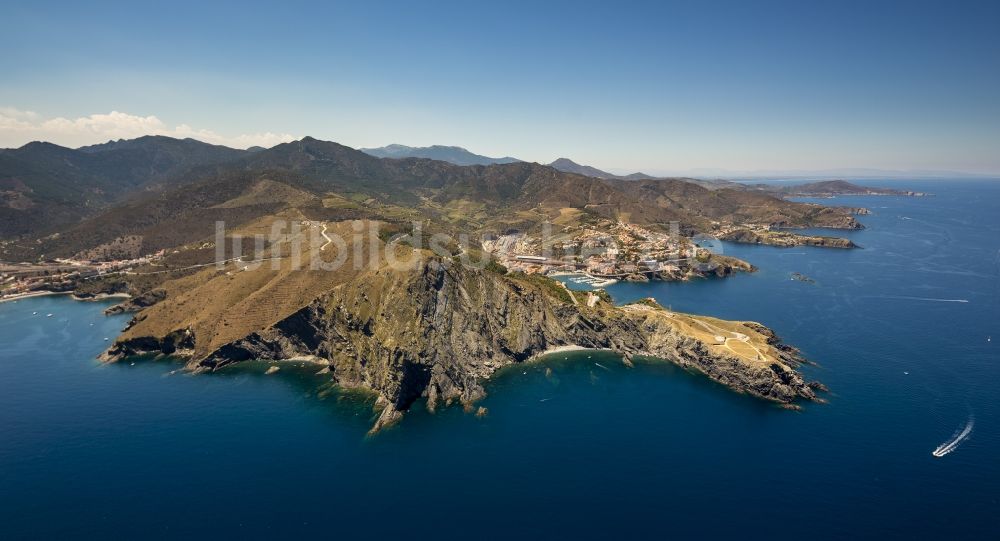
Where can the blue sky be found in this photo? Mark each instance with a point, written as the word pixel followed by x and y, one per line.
pixel 658 87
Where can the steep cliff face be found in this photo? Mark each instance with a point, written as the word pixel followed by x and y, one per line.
pixel 438 330
pixel 828 217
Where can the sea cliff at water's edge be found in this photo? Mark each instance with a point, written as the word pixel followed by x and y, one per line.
pixel 438 330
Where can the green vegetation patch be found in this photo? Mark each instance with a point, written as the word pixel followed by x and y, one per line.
pixel 548 285
pixel 494 266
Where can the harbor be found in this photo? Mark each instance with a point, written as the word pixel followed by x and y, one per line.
pixel 582 281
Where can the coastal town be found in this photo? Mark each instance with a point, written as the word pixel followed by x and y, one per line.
pixel 21 280
pixel 597 255
pixel 608 252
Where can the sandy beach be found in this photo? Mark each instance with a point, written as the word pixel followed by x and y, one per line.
pixel 32 295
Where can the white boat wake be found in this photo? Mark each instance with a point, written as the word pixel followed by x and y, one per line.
pixel 955 440
pixel 928 299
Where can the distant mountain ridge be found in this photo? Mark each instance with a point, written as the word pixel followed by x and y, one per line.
pixel 174 190
pixel 450 154
pixel 43 185
pixel 833 174
pixel 828 188
pixel 326 181
pixel 567 165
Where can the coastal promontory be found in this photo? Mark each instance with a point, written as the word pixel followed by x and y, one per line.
pixel 438 329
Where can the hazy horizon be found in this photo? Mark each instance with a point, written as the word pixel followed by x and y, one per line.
pixel 654 88
pixel 701 173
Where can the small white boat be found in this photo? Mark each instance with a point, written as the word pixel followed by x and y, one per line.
pixel 48 315
pixel 949 446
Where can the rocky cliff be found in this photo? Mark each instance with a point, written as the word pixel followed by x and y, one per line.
pixel 785 239
pixel 438 330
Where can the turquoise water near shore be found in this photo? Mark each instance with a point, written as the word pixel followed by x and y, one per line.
pixel 590 450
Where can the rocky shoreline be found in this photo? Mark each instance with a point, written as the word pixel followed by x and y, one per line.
pixel 137 303
pixel 718 266
pixel 785 239
pixel 439 331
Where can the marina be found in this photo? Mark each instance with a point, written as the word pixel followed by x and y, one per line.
pixel 583 280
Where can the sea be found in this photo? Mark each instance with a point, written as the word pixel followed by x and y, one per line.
pixel 905 332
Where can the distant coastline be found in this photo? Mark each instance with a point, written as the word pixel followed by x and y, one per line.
pixel 33 294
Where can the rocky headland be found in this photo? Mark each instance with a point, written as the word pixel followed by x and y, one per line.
pixel 438 330
pixel 785 239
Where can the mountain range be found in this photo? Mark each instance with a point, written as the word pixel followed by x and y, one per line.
pixel 569 166
pixel 94 195
pixel 450 154
pixel 46 187
pixel 43 185
pixel 461 156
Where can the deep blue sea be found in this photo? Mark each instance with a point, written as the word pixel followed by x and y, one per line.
pixel 899 330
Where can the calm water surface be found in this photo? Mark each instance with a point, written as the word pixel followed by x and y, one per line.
pixel 899 330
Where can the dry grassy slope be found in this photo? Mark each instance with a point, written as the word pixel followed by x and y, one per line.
pixel 697 205
pixel 741 339
pixel 223 305
pixel 437 329
pixel 188 215
pixel 267 191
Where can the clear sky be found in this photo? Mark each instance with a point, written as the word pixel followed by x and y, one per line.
pixel 658 87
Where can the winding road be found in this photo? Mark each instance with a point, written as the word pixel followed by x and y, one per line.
pixel 720 333
pixel 325 236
